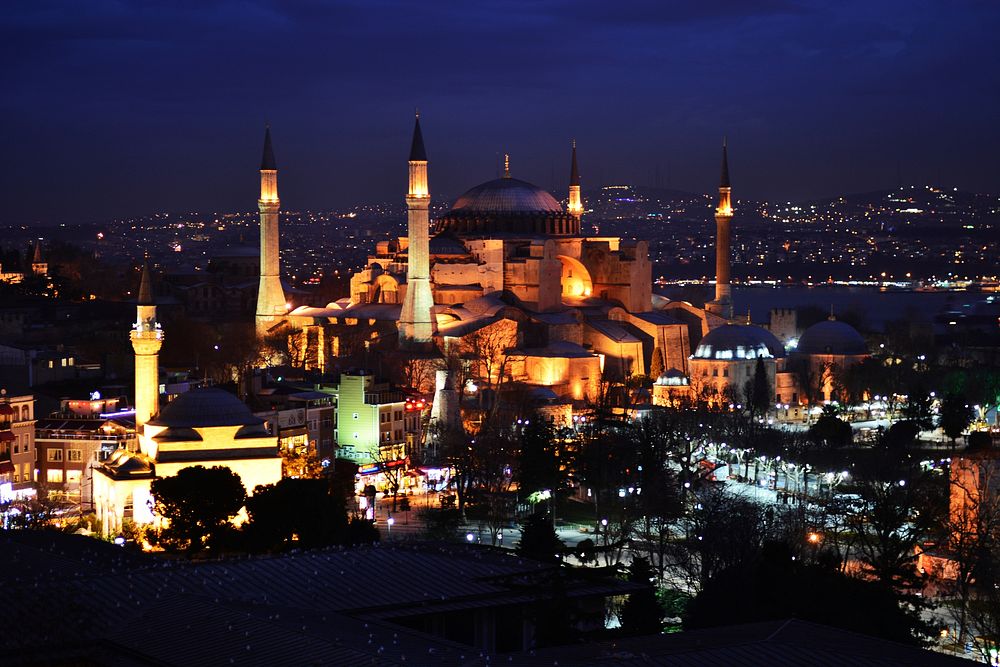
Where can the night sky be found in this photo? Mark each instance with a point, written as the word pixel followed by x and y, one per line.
pixel 129 108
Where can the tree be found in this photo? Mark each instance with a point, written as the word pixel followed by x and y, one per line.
pixel 774 585
pixel 392 463
pixel 972 530
pixel 296 511
pixel 891 520
pixel 301 462
pixel 539 540
pixel 955 415
pixel 900 435
pixel 198 502
pixel 918 404
pixel 757 392
pixel 656 365
pixel 658 440
pixel 453 447
pixel 642 613
pixel 831 430
pixel 441 523
pixel 538 467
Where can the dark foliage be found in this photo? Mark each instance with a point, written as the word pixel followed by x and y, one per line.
pixel 775 587
pixel 901 435
pixel 198 502
pixel 955 416
pixel 831 431
pixel 539 540
pixel 641 614
pixel 302 511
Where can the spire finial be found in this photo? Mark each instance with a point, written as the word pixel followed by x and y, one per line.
pixel 267 162
pixel 506 165
pixel 724 181
pixel 832 316
pixel 574 171
pixel 145 285
pixel 417 151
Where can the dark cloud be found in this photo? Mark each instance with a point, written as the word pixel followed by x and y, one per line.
pixel 115 107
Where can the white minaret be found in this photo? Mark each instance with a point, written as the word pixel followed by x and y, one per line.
pixel 417 325
pixel 575 203
pixel 271 306
pixel 147 338
pixel 723 303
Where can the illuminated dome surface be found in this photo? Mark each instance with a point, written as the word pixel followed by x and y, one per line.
pixel 832 337
pixel 739 341
pixel 508 206
pixel 199 408
pixel 506 195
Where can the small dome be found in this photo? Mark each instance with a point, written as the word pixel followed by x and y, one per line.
pixel 739 341
pixel 832 337
pixel 201 408
pixel 446 244
pixel 506 195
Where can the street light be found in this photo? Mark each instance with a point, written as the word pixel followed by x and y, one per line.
pixel 388 522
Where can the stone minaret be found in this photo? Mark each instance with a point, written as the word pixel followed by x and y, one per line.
pixel 147 338
pixel 39 266
pixel 575 205
pixel 270 296
pixel 416 322
pixel 723 303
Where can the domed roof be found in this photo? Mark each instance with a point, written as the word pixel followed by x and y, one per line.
pixel 200 408
pixel 832 337
pixel 739 341
pixel 506 195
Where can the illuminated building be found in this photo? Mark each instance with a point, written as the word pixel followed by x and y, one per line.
pixel 723 365
pixel 72 442
pixel 17 445
pixel 507 264
pixel 201 427
pixel 271 307
pixel 825 349
pixel 374 420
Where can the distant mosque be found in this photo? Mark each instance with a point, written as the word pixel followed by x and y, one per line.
pixel 201 427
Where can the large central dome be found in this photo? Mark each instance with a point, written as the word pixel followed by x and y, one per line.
pixel 508 206
pixel 506 195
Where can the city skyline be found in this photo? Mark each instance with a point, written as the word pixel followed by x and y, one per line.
pixel 161 108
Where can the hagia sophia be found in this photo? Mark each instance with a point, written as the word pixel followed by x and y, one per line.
pixel 507 273
pixel 508 262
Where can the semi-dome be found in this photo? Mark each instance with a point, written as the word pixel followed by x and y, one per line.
pixel 508 206
pixel 207 407
pixel 832 337
pixel 739 341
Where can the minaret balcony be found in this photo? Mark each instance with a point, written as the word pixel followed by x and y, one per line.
pixel 147 334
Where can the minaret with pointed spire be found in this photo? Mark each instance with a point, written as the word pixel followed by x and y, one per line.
pixel 722 305
pixel 575 204
pixel 39 266
pixel 270 295
pixel 416 322
pixel 147 338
